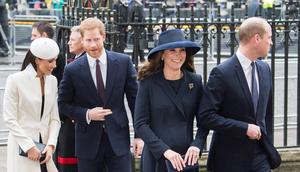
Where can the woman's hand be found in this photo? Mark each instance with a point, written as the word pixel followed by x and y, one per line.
pixel 34 153
pixel 175 158
pixel 49 152
pixel 192 155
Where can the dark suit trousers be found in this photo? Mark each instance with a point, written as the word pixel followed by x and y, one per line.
pixel 106 159
pixel 260 162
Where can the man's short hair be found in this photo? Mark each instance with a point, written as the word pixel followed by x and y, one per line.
pixel 252 26
pixel 46 27
pixel 75 29
pixel 90 24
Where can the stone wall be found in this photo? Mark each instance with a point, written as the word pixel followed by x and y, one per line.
pixel 290 161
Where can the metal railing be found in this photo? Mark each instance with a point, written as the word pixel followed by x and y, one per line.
pixel 27 21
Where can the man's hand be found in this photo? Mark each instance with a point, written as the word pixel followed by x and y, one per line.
pixel 253 132
pixel 138 145
pixel 192 155
pixel 175 158
pixel 98 113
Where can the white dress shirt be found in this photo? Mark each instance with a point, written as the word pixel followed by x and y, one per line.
pixel 246 65
pixel 103 68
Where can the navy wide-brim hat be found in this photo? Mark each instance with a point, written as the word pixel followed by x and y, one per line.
pixel 173 38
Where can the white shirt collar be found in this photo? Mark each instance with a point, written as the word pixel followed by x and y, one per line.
pixel 247 69
pixel 78 55
pixel 31 71
pixel 102 59
pixel 245 62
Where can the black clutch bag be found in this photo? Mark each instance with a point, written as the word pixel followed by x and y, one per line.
pixel 186 168
pixel 40 146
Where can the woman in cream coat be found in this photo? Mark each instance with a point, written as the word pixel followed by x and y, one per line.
pixel 30 109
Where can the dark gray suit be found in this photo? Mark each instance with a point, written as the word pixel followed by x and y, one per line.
pixel 227 109
pixel 164 119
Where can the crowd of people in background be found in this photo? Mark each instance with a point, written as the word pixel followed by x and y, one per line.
pixel 129 11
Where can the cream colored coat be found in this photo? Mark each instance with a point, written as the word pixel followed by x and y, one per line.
pixel 22 111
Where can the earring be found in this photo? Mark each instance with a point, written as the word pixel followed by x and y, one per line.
pixel 162 59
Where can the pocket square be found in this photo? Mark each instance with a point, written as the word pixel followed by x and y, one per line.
pixel 186 168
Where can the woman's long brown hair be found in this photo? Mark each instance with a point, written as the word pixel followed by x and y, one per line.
pixel 155 64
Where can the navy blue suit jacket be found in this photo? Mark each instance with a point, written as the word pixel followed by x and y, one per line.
pixel 78 93
pixel 164 119
pixel 227 108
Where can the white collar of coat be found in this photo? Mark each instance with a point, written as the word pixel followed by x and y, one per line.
pixel 31 72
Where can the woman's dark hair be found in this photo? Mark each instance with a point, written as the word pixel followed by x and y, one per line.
pixel 155 64
pixel 29 59
pixel 151 67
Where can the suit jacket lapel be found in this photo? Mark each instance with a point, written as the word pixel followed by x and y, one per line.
pixel 112 66
pixel 47 89
pixel 185 85
pixel 262 87
pixel 243 82
pixel 170 93
pixel 185 88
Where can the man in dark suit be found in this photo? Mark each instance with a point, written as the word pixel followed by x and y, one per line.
pixel 237 105
pixel 92 92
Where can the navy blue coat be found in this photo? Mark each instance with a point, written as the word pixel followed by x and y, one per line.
pixel 227 108
pixel 78 93
pixel 164 119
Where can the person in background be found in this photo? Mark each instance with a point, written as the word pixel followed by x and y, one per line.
pixel 66 143
pixel 121 8
pixel 267 6
pixel 136 15
pixel 4 50
pixel 42 29
pixel 75 44
pixel 30 109
pixel 253 6
pixel 237 105
pixel 167 104
pixel 92 93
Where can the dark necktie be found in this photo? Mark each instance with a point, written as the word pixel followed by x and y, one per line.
pixel 254 89
pixel 100 85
